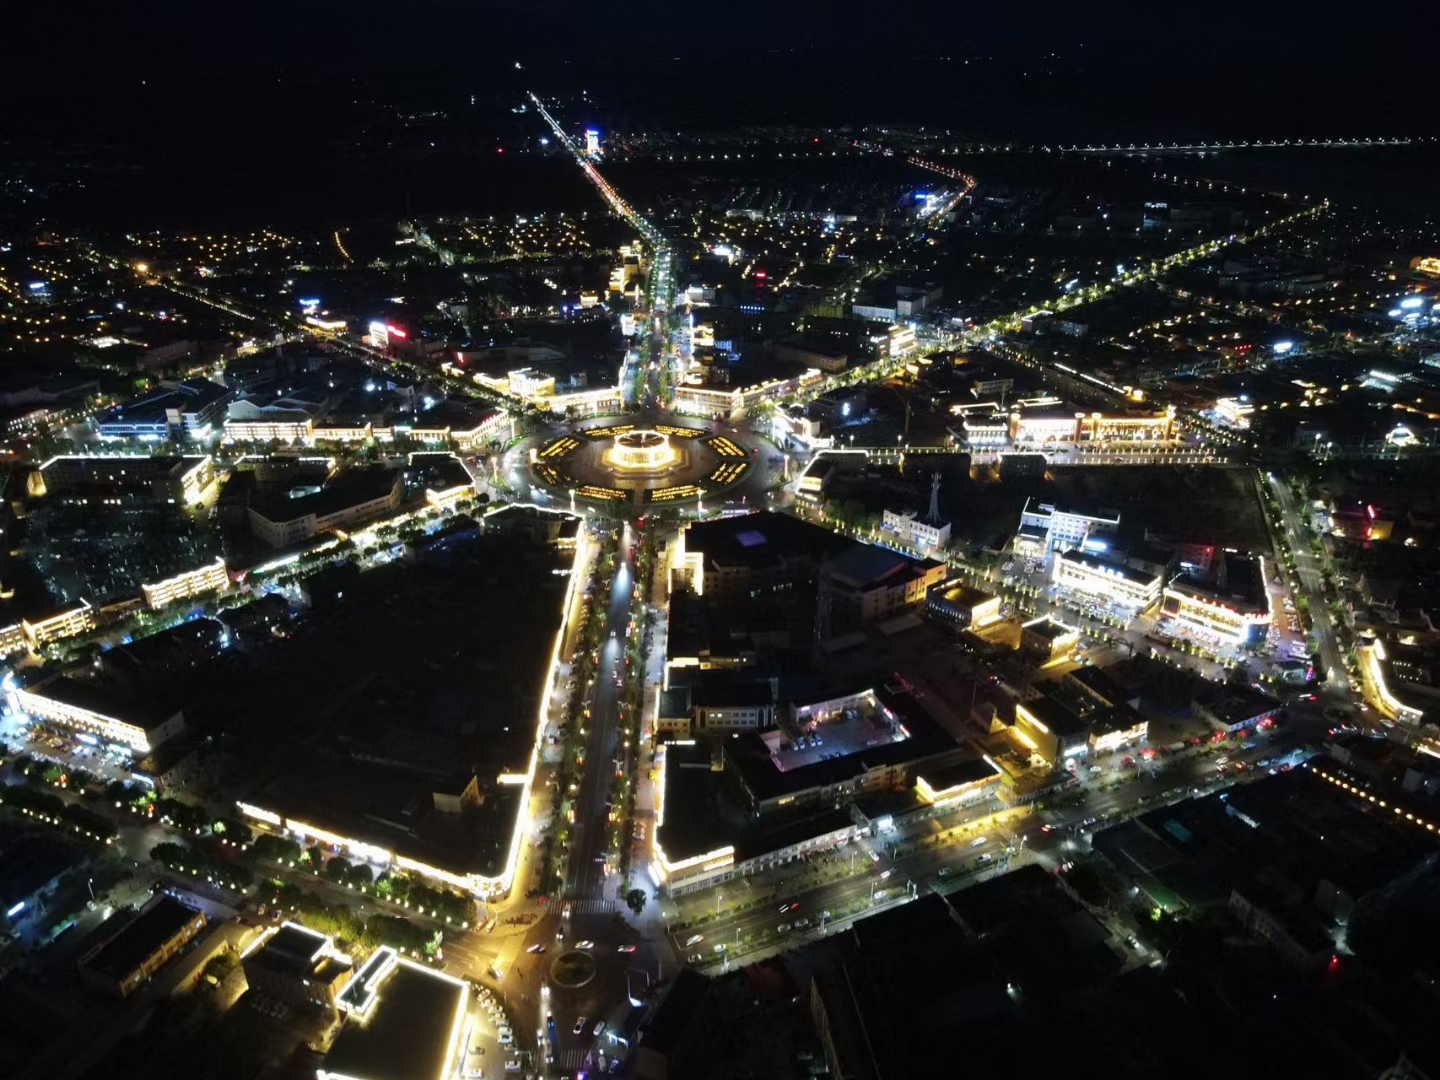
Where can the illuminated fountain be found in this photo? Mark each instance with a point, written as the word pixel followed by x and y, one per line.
pixel 642 453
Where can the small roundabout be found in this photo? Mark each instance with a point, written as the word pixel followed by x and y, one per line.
pixel 572 969
pixel 630 467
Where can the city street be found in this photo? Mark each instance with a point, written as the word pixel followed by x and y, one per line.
pixel 1049 837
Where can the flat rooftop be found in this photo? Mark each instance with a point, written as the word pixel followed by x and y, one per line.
pixel 840 734
pixel 157 923
pixel 107 698
pixel 960 595
pixel 416 676
pixel 762 539
pixel 915 737
pixel 1048 629
pixel 410 1032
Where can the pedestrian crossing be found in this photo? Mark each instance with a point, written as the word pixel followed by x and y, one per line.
pixel 571 1058
pixel 591 907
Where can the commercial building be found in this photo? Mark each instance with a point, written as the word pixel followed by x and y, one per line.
pixel 961 607
pixel 1109 580
pixel 127 958
pixel 403 775
pixel 57 627
pixel 141 725
pixel 764 798
pixel 297 965
pixel 1230 707
pixel 869 584
pixel 190 583
pixel 1052 730
pixel 275 425
pixel 731 559
pixel 1048 639
pixel 1046 527
pixel 192 410
pixel 467 427
pixel 912 529
pixel 119 479
pixel 1233 607
pixel 351 497
pixel 403 1021
pixel 444 476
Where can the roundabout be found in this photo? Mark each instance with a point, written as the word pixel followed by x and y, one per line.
pixel 573 969
pixel 630 467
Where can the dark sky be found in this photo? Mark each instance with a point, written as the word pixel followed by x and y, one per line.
pixel 1225 65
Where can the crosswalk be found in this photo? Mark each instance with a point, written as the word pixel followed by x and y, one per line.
pixel 571 1058
pixel 591 907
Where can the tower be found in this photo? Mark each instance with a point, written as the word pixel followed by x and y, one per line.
pixel 934 514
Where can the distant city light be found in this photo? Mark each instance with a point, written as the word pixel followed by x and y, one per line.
pixel 1410 303
pixel 1283 347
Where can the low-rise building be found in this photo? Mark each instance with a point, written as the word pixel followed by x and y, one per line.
pixel 1046 527
pixel 1232 707
pixel 124 961
pixel 140 725
pixel 106 479
pixel 190 583
pixel 1048 639
pixel 352 497
pixel 869 584
pixel 297 965
pixel 1112 581
pixel 402 1021
pixel 960 607
pixel 1233 607
pixel 1052 730
pixel 912 529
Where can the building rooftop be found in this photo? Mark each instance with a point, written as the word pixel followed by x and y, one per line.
pixel 410 1032
pixel 348 488
pixel 159 921
pixel 769 770
pixel 1233 703
pixel 107 698
pixel 960 595
pixel 761 539
pixel 1114 567
pixel 1047 628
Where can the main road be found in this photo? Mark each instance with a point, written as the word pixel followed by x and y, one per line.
pixel 1336 688
pixel 590 848
pixel 1051 838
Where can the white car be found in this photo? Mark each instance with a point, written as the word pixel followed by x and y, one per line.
pixel 694 939
pixel 506 1037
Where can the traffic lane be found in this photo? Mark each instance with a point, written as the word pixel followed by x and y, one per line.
pixel 1178 779
pixel 591 821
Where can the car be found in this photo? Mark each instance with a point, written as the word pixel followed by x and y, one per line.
pixel 626 949
pixel 598 1029
pixel 978 841
pixel 801 924
pixel 944 871
pixel 694 939
pixel 1223 759
pixel 506 1037
pixel 695 958
pixel 985 858
pixel 783 928
pixel 720 948
pixel 536 949
pixel 587 944
pixel 579 1026
pixel 784 908
pixel 513 1065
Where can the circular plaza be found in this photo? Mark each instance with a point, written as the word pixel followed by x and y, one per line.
pixel 635 466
